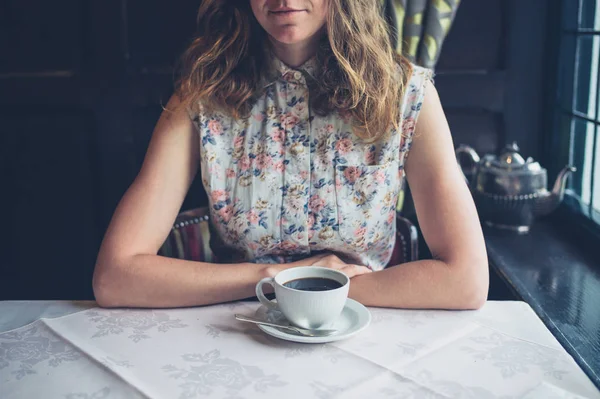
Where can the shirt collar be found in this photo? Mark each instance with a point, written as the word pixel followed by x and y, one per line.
pixel 309 67
pixel 280 70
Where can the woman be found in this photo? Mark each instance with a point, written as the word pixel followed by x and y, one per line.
pixel 300 117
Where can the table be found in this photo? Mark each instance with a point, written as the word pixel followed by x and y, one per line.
pixel 79 351
pixel 559 278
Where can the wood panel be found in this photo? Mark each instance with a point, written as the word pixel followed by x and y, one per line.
pixel 476 39
pixel 482 130
pixel 472 90
pixel 494 60
pixel 51 206
pixel 157 33
pixel 471 75
pixel 528 72
pixel 40 37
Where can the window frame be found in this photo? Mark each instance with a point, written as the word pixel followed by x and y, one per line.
pixel 564 50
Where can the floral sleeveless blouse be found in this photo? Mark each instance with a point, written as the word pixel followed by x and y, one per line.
pixel 285 184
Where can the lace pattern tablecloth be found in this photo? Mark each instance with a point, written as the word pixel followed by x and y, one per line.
pixel 500 351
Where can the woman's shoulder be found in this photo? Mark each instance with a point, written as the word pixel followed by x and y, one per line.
pixel 415 80
pixel 199 113
pixel 419 75
pixel 414 94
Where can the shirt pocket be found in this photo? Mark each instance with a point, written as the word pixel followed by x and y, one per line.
pixel 366 199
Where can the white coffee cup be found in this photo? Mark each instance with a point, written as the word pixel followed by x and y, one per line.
pixel 306 309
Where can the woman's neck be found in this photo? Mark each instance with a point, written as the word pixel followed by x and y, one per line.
pixel 295 54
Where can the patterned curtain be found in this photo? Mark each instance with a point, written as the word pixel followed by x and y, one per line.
pixel 418 30
pixel 419 27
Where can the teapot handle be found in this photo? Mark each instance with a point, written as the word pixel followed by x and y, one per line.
pixel 464 149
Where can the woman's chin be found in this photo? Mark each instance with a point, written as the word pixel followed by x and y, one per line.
pixel 289 35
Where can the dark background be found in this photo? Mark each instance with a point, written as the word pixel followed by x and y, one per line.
pixel 81 87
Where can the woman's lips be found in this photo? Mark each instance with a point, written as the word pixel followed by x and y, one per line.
pixel 285 13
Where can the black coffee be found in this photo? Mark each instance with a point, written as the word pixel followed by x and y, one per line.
pixel 313 284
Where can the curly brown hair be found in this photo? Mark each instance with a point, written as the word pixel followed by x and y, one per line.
pixel 359 73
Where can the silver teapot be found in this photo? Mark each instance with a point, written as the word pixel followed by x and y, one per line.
pixel 509 191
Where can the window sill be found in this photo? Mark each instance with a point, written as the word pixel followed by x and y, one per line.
pixel 551 271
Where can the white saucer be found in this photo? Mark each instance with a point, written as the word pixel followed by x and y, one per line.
pixel 354 318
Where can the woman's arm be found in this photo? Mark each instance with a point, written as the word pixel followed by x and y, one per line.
pixel 457 278
pixel 128 270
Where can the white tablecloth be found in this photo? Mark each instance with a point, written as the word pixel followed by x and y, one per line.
pixel 500 351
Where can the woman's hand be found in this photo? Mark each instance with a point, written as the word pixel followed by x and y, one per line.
pixel 327 260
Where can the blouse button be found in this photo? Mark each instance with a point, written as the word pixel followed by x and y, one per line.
pixel 297 75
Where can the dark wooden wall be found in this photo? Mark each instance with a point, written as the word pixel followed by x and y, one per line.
pixel 491 74
pixel 81 87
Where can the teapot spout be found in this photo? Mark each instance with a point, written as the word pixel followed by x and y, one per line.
pixel 561 182
pixel 549 202
pixel 468 169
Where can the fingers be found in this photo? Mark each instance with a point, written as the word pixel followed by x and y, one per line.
pixel 312 261
pixel 331 261
pixel 355 270
pixel 321 256
pixel 323 259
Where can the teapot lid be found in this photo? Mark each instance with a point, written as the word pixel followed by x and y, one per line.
pixel 511 160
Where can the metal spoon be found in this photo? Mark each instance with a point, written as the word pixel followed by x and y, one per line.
pixel 300 331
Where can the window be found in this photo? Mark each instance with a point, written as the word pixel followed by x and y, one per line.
pixel 577 140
